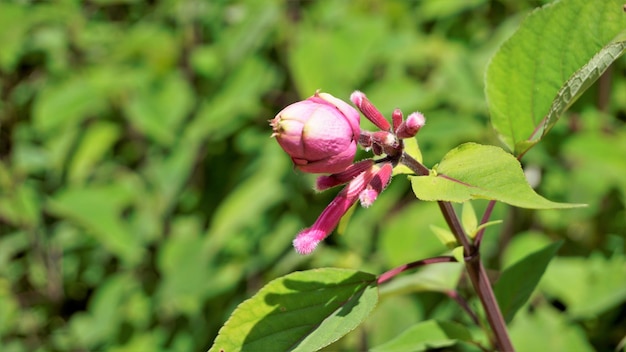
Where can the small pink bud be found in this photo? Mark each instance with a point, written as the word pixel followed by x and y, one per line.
pixel 396 118
pixel 411 125
pixel 320 134
pixel 369 110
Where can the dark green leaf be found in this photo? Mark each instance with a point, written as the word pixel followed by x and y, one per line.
pixel 555 55
pixel 518 281
pixel 302 311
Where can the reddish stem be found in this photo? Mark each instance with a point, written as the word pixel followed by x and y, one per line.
pixel 473 265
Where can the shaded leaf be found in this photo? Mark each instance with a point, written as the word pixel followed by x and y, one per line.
pixel 427 335
pixel 518 281
pixel 546 329
pixel 547 64
pixel 302 311
pixel 473 171
pixel 587 286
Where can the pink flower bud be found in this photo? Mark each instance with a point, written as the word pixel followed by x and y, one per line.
pixel 320 134
pixel 369 110
pixel 396 118
pixel 411 125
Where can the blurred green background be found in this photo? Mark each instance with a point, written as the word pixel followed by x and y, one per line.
pixel 141 198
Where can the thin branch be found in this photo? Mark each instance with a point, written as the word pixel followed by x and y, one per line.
pixel 484 220
pixel 463 303
pixel 473 265
pixel 388 275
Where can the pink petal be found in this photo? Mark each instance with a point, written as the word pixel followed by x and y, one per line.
pixel 326 182
pixel 307 239
pixel 369 110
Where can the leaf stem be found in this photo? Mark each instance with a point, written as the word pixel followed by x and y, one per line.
pixel 473 265
pixel 484 220
pixel 388 275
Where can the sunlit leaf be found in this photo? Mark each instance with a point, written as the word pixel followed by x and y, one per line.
pixel 302 311
pixel 558 51
pixel 473 171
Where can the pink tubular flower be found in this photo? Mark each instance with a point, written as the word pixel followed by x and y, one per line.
pixel 320 134
pixel 369 110
pixel 309 238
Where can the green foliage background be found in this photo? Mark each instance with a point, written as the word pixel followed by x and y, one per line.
pixel 141 198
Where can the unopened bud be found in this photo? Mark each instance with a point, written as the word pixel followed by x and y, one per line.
pixel 409 127
pixel 320 134
pixel 369 110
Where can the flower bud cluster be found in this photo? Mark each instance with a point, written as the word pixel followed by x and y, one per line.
pixel 321 133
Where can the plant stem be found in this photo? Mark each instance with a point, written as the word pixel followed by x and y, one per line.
pixel 473 265
pixel 388 275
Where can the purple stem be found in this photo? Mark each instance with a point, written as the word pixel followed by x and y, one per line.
pixel 473 265
pixel 388 275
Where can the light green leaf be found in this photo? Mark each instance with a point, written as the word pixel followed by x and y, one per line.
pixel 547 329
pixel 439 277
pixel 468 218
pixel 159 106
pixel 322 57
pixel 557 53
pixel 97 140
pixel 431 334
pixel 474 171
pixel 482 226
pixel 445 236
pixel 302 311
pixel 99 211
pixel 518 281
pixel 587 286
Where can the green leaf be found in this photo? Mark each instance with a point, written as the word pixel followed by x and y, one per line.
pixel 99 210
pixel 445 236
pixel 587 286
pixel 97 141
pixel 302 311
pixel 557 53
pixel 468 218
pixel 440 277
pixel 159 106
pixel 473 171
pixel 518 281
pixel 547 329
pixel 429 334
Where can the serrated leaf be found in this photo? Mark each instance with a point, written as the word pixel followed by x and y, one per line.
pixel 557 53
pixel 302 311
pixel 426 335
pixel 474 171
pixel 518 281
